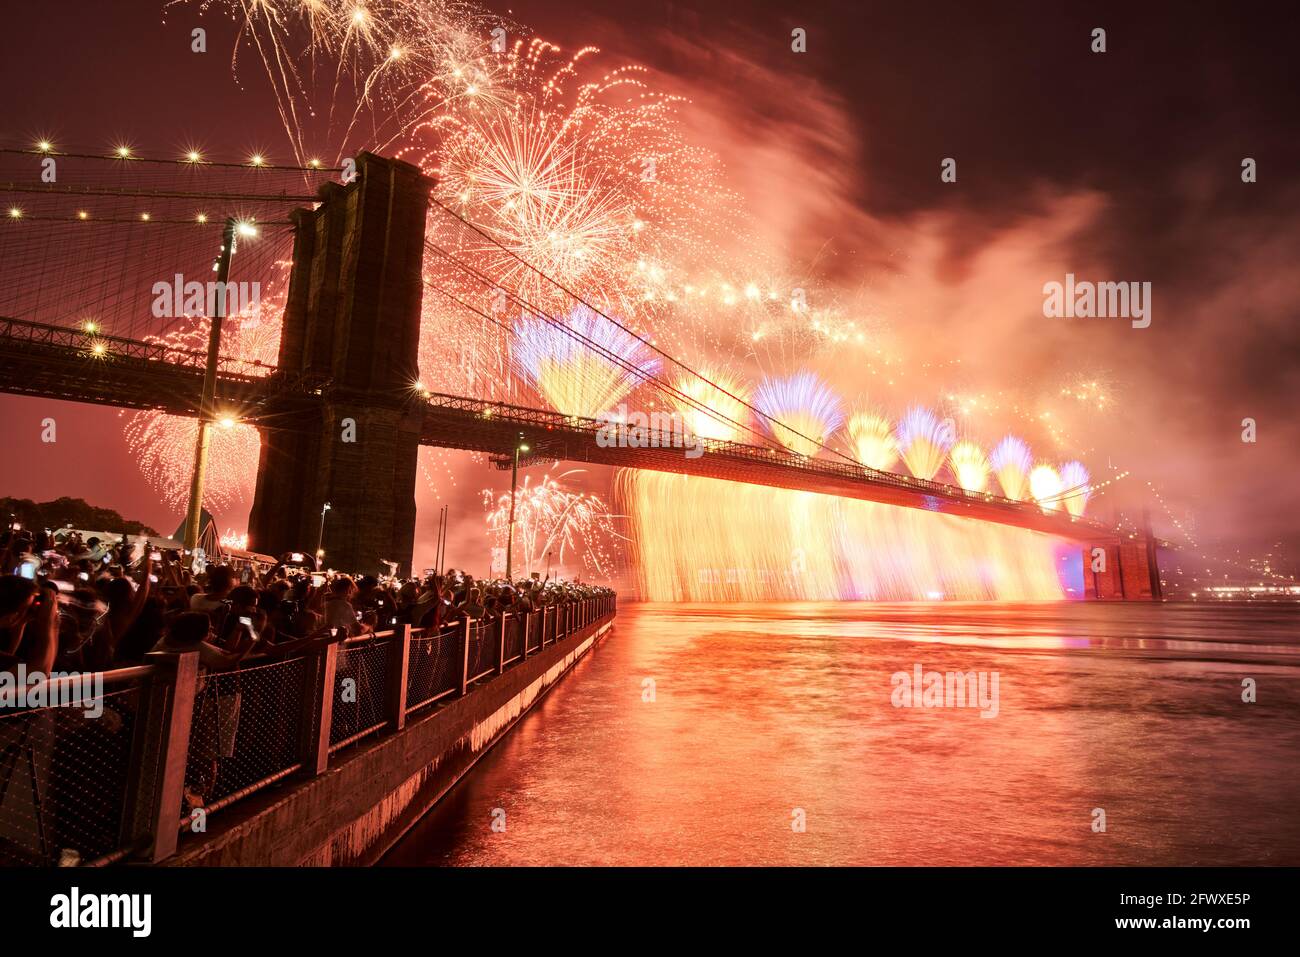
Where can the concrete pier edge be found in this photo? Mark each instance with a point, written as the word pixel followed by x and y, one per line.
pixel 371 795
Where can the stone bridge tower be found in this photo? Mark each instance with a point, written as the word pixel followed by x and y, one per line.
pixel 352 321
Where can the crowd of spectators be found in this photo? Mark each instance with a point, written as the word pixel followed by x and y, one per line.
pixel 74 605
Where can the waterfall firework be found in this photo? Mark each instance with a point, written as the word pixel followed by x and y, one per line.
pixel 697 539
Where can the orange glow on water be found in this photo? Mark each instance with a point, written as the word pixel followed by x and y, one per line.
pixel 702 539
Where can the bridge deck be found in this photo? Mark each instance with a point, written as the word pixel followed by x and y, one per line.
pixel 477 425
pixel 60 363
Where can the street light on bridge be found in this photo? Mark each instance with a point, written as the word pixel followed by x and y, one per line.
pixel 514 482
pixel 320 539
pixel 207 411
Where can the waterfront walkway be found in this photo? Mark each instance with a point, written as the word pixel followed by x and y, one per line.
pixel 164 746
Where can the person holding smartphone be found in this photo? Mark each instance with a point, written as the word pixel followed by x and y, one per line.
pixel 125 603
pixel 245 621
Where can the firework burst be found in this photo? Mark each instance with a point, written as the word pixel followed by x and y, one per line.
pixel 1012 461
pixel 923 441
pixel 554 521
pixel 723 399
pixel 1077 488
pixel 163 445
pixel 347 70
pixel 1045 487
pixel 572 376
pixel 969 465
pixel 555 190
pixel 873 440
pixel 801 412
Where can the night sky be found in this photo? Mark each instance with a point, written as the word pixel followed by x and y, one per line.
pixel 1119 166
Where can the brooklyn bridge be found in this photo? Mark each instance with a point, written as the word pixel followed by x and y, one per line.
pixel 343 411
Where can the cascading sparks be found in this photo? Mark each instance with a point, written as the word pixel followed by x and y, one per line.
pixel 873 440
pixel 572 376
pixel 802 412
pixel 704 539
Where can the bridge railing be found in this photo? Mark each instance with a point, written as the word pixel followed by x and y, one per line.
pixel 548 421
pixel 97 344
pixel 174 745
pixel 268 382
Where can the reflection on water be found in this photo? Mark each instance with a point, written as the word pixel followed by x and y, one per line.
pixel 762 709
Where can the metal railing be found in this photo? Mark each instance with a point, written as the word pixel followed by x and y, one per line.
pixel 461 422
pixel 174 745
pixel 549 433
pixel 101 345
pixel 547 419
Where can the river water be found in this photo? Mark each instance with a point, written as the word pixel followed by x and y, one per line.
pixel 770 735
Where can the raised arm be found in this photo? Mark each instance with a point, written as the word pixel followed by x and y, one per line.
pixel 44 629
pixel 141 593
